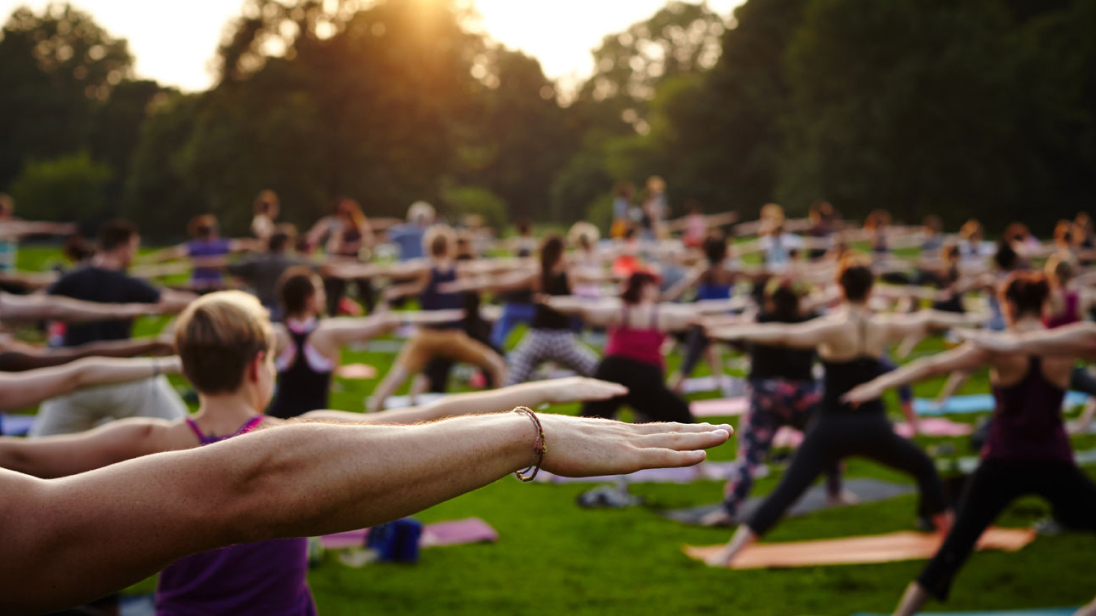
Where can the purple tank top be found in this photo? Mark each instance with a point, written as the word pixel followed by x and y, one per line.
pixel 1027 422
pixel 1071 311
pixel 207 248
pixel 267 577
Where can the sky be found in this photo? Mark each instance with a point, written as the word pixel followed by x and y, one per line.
pixel 173 41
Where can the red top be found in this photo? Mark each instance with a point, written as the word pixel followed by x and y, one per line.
pixel 1070 312
pixel 642 345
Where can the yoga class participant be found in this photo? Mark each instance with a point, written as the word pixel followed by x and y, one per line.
pixel 346 234
pixel 850 343
pixel 206 244
pixel 309 347
pixel 444 339
pixel 266 209
pixel 633 356
pixel 783 392
pixel 105 529
pixel 1027 450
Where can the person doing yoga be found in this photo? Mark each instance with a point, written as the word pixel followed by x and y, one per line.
pixel 1027 450
pixel 783 392
pixel 850 343
pixel 226 344
pixel 633 356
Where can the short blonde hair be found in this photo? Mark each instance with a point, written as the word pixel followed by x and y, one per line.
pixel 218 335
pixel 583 235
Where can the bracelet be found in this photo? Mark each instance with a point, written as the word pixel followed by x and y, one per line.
pixel 540 447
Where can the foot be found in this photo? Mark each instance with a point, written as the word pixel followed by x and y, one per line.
pixel 843 499
pixel 716 518
pixel 721 559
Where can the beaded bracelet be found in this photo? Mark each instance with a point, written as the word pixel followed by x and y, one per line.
pixel 540 447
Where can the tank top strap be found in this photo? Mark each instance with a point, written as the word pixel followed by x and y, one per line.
pixel 196 430
pixel 250 425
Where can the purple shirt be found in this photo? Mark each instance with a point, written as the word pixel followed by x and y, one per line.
pixel 1027 423
pixel 207 248
pixel 263 578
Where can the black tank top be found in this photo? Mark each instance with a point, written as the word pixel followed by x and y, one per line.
pixel 300 388
pixel 432 299
pixel 545 317
pixel 842 376
pixel 1027 421
pixel 770 362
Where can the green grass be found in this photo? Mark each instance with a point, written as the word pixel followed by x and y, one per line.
pixel 555 558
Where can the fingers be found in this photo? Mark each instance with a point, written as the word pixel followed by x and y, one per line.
pixel 669 458
pixel 685 441
pixel 670 428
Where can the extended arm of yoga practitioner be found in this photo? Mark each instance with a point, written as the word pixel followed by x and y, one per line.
pixel 106 529
pixel 60 308
pixel 522 277
pixel 19 228
pixel 964 358
pixel 28 388
pixel 608 311
pixel 806 335
pixel 534 394
pixel 331 335
pixel 1078 339
pixel 20 357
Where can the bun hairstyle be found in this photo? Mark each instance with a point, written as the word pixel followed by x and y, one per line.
pixel 855 277
pixel 1026 293
pixel 633 289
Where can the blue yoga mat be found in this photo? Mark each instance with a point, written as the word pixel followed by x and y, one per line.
pixel 977 403
pixel 1041 612
pixel 15 425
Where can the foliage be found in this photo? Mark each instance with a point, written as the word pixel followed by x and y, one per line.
pixel 474 200
pixel 70 188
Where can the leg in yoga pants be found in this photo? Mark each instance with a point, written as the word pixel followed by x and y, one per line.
pixel 541 345
pixel 1082 380
pixel 992 487
pixel 838 435
pixel 695 344
pixel 773 403
pixel 647 393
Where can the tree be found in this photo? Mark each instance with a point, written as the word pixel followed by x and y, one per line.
pixel 64 189
pixel 55 70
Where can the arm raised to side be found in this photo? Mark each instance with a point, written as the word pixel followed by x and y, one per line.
pixel 74 539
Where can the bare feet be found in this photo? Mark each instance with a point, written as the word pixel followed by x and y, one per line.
pixel 719 517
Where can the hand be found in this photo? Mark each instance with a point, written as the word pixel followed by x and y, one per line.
pixel 583 447
pixel 580 389
pixel 861 393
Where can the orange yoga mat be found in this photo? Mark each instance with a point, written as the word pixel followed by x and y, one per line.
pixel 892 547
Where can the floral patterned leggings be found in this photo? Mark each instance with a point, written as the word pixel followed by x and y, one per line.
pixel 774 403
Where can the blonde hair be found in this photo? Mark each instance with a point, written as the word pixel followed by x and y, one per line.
pixel 421 209
pixel 583 235
pixel 218 335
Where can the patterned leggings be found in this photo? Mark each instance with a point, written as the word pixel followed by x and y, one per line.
pixel 774 403
pixel 541 345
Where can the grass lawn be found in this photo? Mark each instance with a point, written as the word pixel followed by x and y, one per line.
pixel 555 558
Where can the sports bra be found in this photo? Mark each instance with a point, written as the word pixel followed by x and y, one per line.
pixel 842 376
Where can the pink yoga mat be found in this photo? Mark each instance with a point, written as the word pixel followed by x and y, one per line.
pixel 892 547
pixel 457 532
pixel 356 371
pixel 723 407
pixel 707 470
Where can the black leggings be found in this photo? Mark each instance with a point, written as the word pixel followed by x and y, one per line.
pixel 834 436
pixel 993 486
pixel 696 342
pixel 647 392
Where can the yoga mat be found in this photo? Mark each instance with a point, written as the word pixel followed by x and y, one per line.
pixel 15 425
pixel 969 464
pixel 790 438
pixel 1037 612
pixel 892 547
pixel 867 490
pixel 722 407
pixel 456 532
pixel 402 402
pixel 711 471
pixel 356 371
pixel 976 403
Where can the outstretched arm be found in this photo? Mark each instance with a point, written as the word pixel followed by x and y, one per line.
pixel 807 335
pixel 333 334
pixel 605 312
pixel 69 454
pixel 966 357
pixel 1078 339
pixel 555 391
pixel 59 308
pixel 31 387
pixel 103 530
pixel 24 358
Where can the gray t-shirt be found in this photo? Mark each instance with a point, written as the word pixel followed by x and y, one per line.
pixel 262 272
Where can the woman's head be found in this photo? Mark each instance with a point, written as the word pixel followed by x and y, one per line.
pixel 932 224
pixel 551 253
pixel 583 236
pixel 715 250
pixel 301 292
pixel 1024 295
pixel 782 295
pixel 77 249
pixel 641 287
pixel 1064 233
pixel 1059 270
pixel 203 227
pixel 971 231
pixel 226 345
pixel 421 213
pixel 821 212
pixel 1016 232
pixel 267 204
pixel 877 220
pixel 439 241
pixel 349 212
pixel 855 278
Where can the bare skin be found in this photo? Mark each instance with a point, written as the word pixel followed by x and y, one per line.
pixel 28 388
